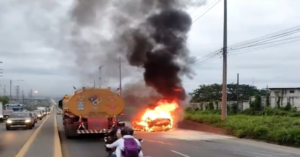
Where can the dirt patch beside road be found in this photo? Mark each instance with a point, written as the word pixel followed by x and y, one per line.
pixel 186 124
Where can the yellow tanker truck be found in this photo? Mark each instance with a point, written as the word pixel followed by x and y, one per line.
pixel 90 111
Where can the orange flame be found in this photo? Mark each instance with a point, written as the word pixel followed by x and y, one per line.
pixel 163 109
pixel 178 90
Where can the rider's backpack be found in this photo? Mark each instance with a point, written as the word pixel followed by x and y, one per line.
pixel 131 148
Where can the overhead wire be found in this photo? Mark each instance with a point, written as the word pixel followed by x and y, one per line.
pixel 197 7
pixel 250 44
pixel 206 11
pixel 270 36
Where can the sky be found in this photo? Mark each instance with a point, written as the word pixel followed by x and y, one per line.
pixel 36 56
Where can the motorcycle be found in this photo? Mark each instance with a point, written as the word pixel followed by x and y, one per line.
pixel 110 140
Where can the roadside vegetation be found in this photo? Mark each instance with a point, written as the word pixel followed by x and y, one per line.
pixel 279 125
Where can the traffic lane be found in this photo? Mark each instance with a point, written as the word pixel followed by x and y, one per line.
pixel 42 142
pixel 197 144
pixel 91 146
pixel 13 140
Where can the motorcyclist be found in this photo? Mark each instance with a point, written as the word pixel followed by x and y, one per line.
pixel 127 146
pixel 116 129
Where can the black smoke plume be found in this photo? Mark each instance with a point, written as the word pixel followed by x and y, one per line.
pixel 159 50
pixel 151 34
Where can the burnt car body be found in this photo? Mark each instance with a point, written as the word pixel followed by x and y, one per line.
pixel 158 124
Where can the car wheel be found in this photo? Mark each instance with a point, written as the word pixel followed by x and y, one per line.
pixel 33 125
pixel 7 127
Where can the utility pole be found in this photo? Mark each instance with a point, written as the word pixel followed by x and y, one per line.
pixel 120 70
pixel 94 83
pixel 22 97
pixel 31 94
pixel 18 92
pixel 237 91
pixel 10 83
pixel 4 90
pixel 100 72
pixel 224 84
pixel 1 72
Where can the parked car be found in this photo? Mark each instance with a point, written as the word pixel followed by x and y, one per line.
pixel 20 120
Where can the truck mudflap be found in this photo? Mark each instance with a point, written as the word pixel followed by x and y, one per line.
pixel 91 131
pixel 95 126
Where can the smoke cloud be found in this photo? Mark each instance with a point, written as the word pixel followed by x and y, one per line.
pixel 150 35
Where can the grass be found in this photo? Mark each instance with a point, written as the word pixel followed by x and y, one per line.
pixel 283 130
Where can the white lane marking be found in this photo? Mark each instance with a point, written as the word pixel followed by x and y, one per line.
pixel 158 142
pixel 179 153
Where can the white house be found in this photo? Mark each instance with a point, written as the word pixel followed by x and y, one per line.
pixel 282 96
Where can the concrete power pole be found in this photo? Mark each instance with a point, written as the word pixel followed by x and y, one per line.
pixel 224 84
pixel 1 72
pixel 18 93
pixel 10 83
pixel 22 97
pixel 4 90
pixel 100 77
pixel 94 83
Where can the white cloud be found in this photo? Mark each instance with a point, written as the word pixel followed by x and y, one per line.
pixel 33 35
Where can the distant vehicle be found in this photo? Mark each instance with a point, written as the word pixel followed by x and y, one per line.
pixel 20 120
pixel 43 109
pixel 48 111
pixel 39 114
pixel 35 116
pixel 14 107
pixel 1 112
pixel 7 113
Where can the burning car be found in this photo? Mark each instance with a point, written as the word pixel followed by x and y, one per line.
pixel 157 117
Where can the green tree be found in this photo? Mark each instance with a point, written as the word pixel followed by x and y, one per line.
pixel 212 92
pixel 257 103
pixel 4 100
pixel 268 104
pixel 206 93
pixel 211 106
pixel 288 107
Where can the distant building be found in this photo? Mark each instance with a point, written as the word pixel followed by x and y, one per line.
pixel 283 96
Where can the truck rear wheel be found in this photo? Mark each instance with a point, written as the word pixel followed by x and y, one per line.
pixel 67 135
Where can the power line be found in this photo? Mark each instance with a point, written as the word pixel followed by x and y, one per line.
pixel 250 43
pixel 270 36
pixel 212 6
pixel 197 7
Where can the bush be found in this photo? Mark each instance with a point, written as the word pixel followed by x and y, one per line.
pixel 271 112
pixel 288 107
pixel 278 129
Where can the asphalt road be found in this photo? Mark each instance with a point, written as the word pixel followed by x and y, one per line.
pixel 179 143
pixel 12 141
pixel 186 143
